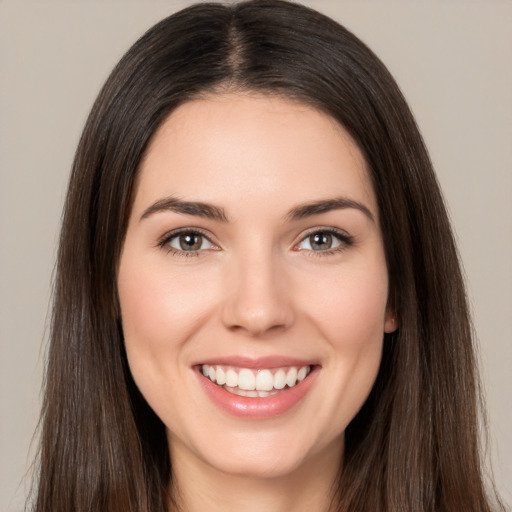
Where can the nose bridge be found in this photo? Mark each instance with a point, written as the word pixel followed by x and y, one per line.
pixel 257 299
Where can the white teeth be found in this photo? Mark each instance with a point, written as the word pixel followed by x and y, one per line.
pixel 301 375
pixel 280 379
pixel 246 380
pixel 220 376
pixel 291 377
pixel 255 383
pixel 264 381
pixel 242 392
pixel 231 379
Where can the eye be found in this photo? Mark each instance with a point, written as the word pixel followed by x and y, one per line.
pixel 324 241
pixel 187 241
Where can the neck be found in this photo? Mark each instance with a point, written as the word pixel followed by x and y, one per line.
pixel 197 486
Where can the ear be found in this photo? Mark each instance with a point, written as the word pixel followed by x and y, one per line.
pixel 390 321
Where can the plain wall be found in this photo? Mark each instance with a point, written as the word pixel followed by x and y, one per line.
pixel 453 60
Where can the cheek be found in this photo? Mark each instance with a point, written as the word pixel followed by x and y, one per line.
pixel 351 307
pixel 144 327
pixel 161 308
pixel 158 306
pixel 351 319
pixel 159 311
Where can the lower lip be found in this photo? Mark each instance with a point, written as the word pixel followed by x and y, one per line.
pixel 257 408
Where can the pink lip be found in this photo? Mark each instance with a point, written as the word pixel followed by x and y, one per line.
pixel 257 362
pixel 257 408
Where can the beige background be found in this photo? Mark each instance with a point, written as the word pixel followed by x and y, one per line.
pixel 453 59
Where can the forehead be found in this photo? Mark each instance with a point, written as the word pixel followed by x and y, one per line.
pixel 228 146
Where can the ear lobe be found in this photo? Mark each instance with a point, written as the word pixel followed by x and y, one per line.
pixel 391 322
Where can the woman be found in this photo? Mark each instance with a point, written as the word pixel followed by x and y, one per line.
pixel 258 300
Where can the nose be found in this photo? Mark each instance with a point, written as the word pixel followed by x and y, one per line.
pixel 258 299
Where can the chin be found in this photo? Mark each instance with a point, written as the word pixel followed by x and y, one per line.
pixel 264 455
pixel 275 466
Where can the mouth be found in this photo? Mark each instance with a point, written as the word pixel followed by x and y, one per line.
pixel 255 383
pixel 257 389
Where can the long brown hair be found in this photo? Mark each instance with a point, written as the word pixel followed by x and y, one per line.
pixel 414 444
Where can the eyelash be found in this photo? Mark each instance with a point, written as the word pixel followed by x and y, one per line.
pixel 164 242
pixel 344 239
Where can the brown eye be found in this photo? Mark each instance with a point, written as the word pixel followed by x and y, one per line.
pixel 189 242
pixel 321 241
pixel 324 241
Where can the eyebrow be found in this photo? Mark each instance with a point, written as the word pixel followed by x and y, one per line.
pixel 209 211
pixel 318 207
pixel 195 208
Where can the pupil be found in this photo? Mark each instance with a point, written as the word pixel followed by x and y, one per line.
pixel 190 242
pixel 321 241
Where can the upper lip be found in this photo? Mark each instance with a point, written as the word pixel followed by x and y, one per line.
pixel 277 361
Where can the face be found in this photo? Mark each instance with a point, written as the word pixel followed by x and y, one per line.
pixel 253 284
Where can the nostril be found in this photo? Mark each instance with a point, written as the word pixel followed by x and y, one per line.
pixel 256 330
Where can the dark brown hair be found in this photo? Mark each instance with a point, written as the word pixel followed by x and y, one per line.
pixel 414 444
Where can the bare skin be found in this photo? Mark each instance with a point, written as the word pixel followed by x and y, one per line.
pixel 301 491
pixel 254 240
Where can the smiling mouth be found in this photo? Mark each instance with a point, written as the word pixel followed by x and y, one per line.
pixel 255 383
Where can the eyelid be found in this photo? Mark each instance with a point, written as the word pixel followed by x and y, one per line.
pixel 344 238
pixel 163 241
